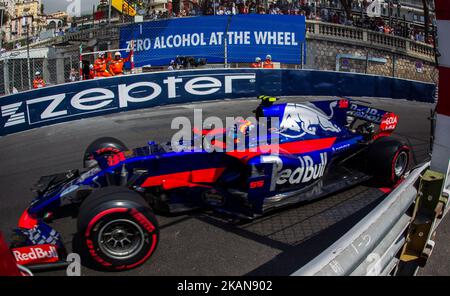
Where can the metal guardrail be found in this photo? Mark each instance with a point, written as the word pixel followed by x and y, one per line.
pixel 372 246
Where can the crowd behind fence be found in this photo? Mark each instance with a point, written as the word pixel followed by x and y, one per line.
pixel 330 11
pixel 16 75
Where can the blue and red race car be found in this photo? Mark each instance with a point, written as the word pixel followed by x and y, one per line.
pixel 322 147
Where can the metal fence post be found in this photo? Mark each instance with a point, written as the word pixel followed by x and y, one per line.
pixel 13 74
pixel 81 61
pixel 21 75
pixel 6 76
pixel 302 52
pixel 225 53
pixel 45 70
pixel 30 81
pixel 60 69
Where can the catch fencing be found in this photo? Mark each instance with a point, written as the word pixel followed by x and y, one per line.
pixel 17 71
pixel 327 47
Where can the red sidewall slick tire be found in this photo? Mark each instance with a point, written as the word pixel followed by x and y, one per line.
pixel 388 160
pixel 402 151
pixel 118 231
pixel 102 146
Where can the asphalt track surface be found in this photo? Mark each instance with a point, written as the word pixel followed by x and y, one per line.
pixel 201 243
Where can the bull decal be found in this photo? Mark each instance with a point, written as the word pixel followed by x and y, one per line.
pixel 299 120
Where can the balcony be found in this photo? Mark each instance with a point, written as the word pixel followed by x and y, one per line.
pixel 367 38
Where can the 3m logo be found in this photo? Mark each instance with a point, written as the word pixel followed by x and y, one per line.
pixel 14 117
pixel 36 254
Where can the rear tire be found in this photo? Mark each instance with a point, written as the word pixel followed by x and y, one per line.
pixel 102 147
pixel 388 160
pixel 118 229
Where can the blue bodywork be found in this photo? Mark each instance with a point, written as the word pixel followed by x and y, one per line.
pixel 319 153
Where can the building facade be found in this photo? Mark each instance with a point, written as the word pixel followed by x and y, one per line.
pixel 24 14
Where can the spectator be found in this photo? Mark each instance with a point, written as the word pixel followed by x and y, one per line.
pixel 257 63
pixel 116 66
pixel 172 66
pixel 326 11
pixel 268 62
pixel 91 72
pixel 38 81
pixel 73 75
pixel 101 65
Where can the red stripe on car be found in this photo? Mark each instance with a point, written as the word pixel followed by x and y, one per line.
pixel 184 179
pixel 298 147
pixel 27 221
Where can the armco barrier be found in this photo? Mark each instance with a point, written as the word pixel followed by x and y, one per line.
pixel 372 245
pixel 67 102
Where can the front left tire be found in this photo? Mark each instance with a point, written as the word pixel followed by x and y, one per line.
pixel 118 229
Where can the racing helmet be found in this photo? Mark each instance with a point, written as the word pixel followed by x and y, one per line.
pixel 91 66
pixel 258 59
pixel 268 57
pixel 117 54
pixel 245 126
pixel 101 54
pixel 37 73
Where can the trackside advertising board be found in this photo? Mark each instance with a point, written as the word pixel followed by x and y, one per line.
pixel 71 101
pixel 156 43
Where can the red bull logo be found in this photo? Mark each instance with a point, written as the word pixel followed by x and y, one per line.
pixel 301 119
pixel 36 254
pixel 305 173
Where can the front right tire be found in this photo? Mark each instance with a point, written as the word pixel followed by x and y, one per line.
pixel 105 146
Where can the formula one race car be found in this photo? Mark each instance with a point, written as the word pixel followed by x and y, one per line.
pixel 321 147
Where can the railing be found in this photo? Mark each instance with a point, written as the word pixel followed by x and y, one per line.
pixel 374 246
pixel 339 31
pixel 388 41
pixel 367 38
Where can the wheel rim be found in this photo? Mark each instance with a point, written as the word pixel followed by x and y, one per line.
pixel 400 164
pixel 121 239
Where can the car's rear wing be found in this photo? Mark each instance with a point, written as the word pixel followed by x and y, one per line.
pixel 339 110
pixel 386 120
